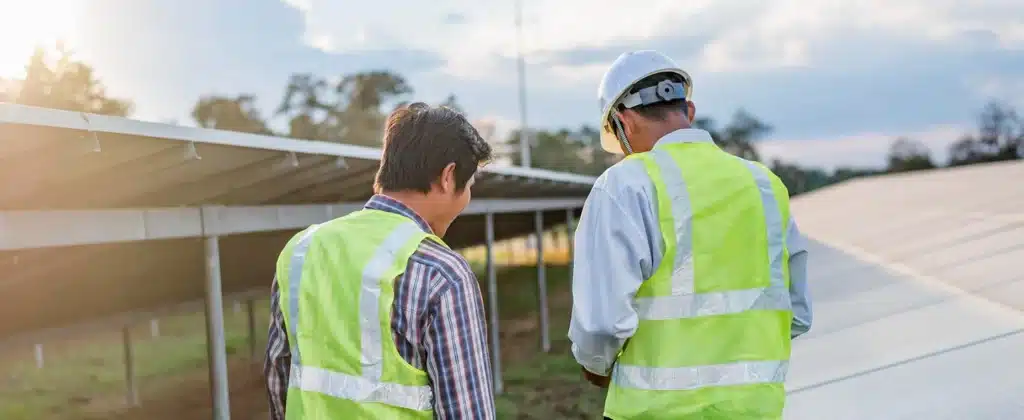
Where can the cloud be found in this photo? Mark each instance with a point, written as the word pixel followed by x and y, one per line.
pixel 190 48
pixel 454 18
pixel 863 150
pixel 814 69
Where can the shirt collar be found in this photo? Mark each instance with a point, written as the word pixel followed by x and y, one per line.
pixel 390 205
pixel 685 135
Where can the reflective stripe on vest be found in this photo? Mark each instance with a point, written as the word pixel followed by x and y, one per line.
pixel 683 302
pixel 367 388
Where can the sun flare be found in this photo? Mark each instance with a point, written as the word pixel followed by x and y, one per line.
pixel 25 24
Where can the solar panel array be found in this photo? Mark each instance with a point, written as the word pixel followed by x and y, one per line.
pixel 918 294
pixel 102 216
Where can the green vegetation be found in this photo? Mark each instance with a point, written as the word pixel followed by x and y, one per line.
pixel 540 385
pixel 86 374
pixel 84 378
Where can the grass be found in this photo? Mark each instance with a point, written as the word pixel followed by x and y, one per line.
pixel 85 378
pixel 86 375
pixel 540 385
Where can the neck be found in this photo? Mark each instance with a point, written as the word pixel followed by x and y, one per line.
pixel 424 207
pixel 658 131
pixel 671 125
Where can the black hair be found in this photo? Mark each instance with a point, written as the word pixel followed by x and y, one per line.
pixel 420 141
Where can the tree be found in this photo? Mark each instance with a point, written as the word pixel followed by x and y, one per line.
pixel 966 151
pixel 909 155
pixel 63 83
pixel 1000 137
pixel 453 103
pixel 739 135
pixel 349 111
pixel 1000 131
pixel 577 151
pixel 235 114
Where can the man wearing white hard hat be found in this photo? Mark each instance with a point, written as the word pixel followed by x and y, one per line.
pixel 689 280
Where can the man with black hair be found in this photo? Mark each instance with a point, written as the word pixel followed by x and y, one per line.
pixel 372 315
pixel 689 280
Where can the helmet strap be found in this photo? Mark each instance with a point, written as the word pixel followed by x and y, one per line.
pixel 621 134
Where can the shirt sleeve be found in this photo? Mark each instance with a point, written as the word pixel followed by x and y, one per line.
pixel 456 347
pixel 278 361
pixel 799 295
pixel 610 249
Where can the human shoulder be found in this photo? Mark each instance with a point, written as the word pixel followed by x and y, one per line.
pixel 443 265
pixel 628 176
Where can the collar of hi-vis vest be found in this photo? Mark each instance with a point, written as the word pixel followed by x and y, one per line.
pixel 685 135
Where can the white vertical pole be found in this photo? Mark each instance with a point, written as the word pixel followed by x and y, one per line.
pixel 492 297
pixel 154 328
pixel 215 346
pixel 251 315
pixel 524 136
pixel 542 283
pixel 40 362
pixel 131 391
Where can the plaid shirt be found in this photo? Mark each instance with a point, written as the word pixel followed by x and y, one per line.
pixel 437 322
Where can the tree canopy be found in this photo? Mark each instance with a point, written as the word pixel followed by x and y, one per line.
pixel 55 79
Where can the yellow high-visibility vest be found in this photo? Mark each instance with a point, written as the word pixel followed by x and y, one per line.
pixel 336 296
pixel 713 341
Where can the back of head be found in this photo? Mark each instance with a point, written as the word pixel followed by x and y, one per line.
pixel 420 141
pixel 643 95
pixel 659 111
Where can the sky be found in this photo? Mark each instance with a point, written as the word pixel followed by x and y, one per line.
pixel 837 79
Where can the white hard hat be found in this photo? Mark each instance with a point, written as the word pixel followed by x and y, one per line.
pixel 628 69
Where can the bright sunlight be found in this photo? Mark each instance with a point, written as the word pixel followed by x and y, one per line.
pixel 25 24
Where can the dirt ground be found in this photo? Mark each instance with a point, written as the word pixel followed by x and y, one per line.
pixel 188 397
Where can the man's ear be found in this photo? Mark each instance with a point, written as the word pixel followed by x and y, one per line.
pixel 691 110
pixel 448 178
pixel 628 118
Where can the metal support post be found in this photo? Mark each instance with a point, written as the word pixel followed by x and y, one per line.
pixel 40 361
pixel 492 298
pixel 251 313
pixel 542 284
pixel 215 346
pixel 131 390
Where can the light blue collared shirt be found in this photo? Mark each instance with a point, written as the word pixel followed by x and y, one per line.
pixel 619 244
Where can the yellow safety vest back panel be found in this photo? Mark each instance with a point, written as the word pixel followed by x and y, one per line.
pixel 713 340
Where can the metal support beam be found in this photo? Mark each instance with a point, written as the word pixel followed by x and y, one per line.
pixel 215 345
pixel 492 298
pixel 542 284
pixel 53 228
pixel 131 390
pixel 251 313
